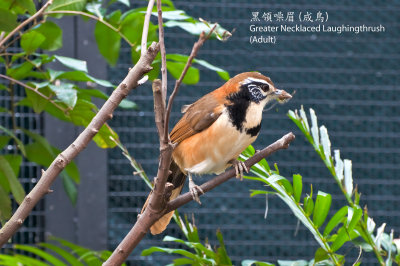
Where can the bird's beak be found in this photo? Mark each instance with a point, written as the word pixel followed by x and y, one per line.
pixel 283 95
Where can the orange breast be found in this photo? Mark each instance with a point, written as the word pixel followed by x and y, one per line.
pixel 210 150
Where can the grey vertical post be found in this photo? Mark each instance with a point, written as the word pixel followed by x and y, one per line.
pixel 86 223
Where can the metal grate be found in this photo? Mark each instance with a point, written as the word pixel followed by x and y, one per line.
pixel 33 229
pixel 352 82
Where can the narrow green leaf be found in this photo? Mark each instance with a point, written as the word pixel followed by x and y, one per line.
pixel 81 76
pixel 15 163
pixel 335 220
pixel 108 42
pixel 314 127
pixel 370 225
pixel 5 205
pixel 339 166
pixel 293 263
pixel 26 260
pixel 355 218
pixel 342 237
pixel 192 76
pixel 304 119
pixel 40 253
pixel 72 63
pixel 62 253
pixel 389 260
pixel 379 235
pixel 30 41
pixel 222 255
pixel 322 206
pixel 70 188
pixel 19 143
pixel 297 187
pixel 326 145
pixel 308 205
pixel 15 186
pixel 8 20
pixel 348 177
pixel 260 192
pixel 66 93
pixel 53 34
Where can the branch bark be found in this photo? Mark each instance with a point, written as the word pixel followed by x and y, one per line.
pixel 131 81
pixel 150 216
pixel 146 26
pixel 26 22
pixel 163 52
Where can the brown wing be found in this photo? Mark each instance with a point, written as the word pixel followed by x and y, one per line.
pixel 198 116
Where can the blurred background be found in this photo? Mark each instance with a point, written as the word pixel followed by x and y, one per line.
pixel 352 81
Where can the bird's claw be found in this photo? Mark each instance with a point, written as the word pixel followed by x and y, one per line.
pixel 239 167
pixel 194 191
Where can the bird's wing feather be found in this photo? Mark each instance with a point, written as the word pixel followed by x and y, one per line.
pixel 198 116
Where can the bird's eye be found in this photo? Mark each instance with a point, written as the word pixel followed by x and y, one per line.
pixel 265 87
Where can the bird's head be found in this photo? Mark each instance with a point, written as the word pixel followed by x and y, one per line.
pixel 254 87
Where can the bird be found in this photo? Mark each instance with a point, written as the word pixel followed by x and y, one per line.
pixel 215 130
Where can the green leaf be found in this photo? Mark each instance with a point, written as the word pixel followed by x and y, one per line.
pixel 29 5
pixel 314 127
pixel 8 20
pixel 53 33
pixel 133 20
pixel 322 206
pixel 65 93
pixel 326 145
pixel 339 166
pixel 62 253
pixel 44 154
pixel 73 63
pixel 320 255
pixel 127 104
pixel 5 205
pixel 15 163
pixel 255 262
pixel 304 119
pixel 19 143
pixel 38 103
pixel 222 73
pixel 82 76
pixel 293 263
pixel 308 205
pixel 4 140
pixel 192 76
pixel 20 71
pixel 342 237
pixel 222 255
pixel 297 187
pixel 74 5
pixel 108 42
pixel 335 220
pixel 70 188
pixel 260 192
pixel 40 253
pixel 196 28
pixel 356 214
pixel 30 41
pixel 348 177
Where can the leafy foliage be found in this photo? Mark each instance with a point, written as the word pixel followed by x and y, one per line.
pixel 62 86
pixel 58 252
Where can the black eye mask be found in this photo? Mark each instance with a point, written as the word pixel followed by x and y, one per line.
pixel 255 93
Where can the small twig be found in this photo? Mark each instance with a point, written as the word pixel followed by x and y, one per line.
pixel 35 91
pixel 64 158
pixel 195 49
pixel 163 52
pixel 150 216
pixel 146 26
pixel 92 17
pixel 23 24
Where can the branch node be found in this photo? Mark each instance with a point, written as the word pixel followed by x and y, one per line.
pixel 95 131
pixel 168 191
pixel 28 199
pixel 20 221
pixel 120 251
pixel 110 116
pixel 43 171
pixel 50 191
pixel 123 86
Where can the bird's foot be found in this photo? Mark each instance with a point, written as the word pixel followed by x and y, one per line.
pixel 239 168
pixel 195 190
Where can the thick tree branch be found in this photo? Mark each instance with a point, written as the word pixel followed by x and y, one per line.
pixel 146 26
pixel 131 81
pixel 26 22
pixel 150 216
pixel 196 47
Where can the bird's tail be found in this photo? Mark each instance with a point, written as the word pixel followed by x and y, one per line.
pixel 177 178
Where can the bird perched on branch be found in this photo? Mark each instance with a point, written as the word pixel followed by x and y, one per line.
pixel 215 130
